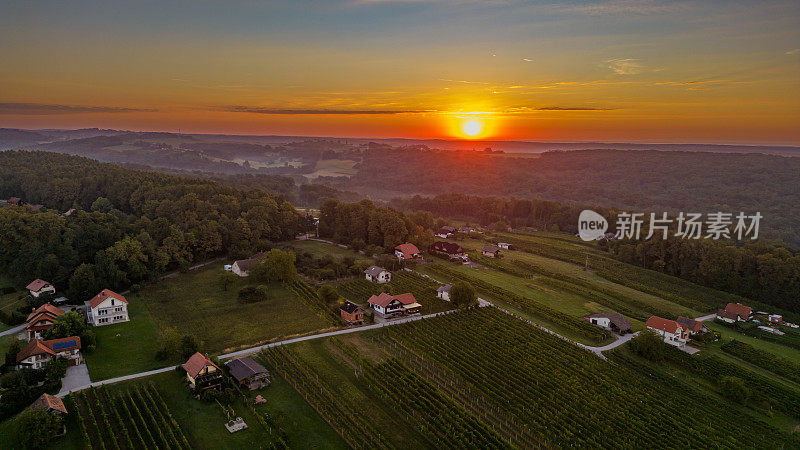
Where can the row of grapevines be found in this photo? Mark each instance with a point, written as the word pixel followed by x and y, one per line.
pixel 763 359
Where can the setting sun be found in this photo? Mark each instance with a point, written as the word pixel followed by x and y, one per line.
pixel 472 127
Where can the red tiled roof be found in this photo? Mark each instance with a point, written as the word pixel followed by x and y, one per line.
pixel 47 309
pixel 670 326
pixel 381 300
pixel 408 250
pixel 738 308
pixel 406 299
pixel 103 295
pixel 727 314
pixel 36 285
pixel 35 347
pixel 690 324
pixel 196 363
pixel 49 402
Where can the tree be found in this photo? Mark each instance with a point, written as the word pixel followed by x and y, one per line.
pixel 734 389
pixel 189 345
pixel 37 427
pixel 83 284
pixel 463 294
pixel 56 369
pixel 275 265
pixel 649 345
pixel 328 294
pixel 11 353
pixel 66 325
pixel 102 204
pixel 226 279
pixel 253 294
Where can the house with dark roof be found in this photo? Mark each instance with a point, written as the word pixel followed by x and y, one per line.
pixel 672 332
pixel 107 308
pixel 612 321
pixel 351 313
pixel 735 312
pixel 691 325
pixel 38 353
pixel 444 292
pixel 38 287
pixel 202 373
pixel 241 267
pixel 490 251
pixel 377 274
pixel 392 305
pixel 248 373
pixel 41 319
pixel 407 252
pixel 450 249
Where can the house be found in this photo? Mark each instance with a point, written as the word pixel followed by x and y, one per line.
pixel 49 403
pixel 450 249
pixel 248 373
pixel 38 287
pixel 505 245
pixel 351 313
pixel 735 312
pixel 41 319
pixel 242 266
pixel 407 252
pixel 612 321
pixel 202 373
pixel 69 212
pixel 491 252
pixel 673 333
pixel 378 274
pixel 691 325
pixel 775 318
pixel 465 230
pixel 106 308
pixel 446 230
pixel 444 292
pixel 389 305
pixel 38 353
pixel 14 201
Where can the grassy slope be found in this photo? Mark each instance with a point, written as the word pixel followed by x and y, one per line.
pixel 320 249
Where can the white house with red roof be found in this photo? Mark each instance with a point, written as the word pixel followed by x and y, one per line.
pixel 407 252
pixel 735 312
pixel 38 287
pixel 38 353
pixel 41 319
pixel 106 308
pixel 202 372
pixel 673 332
pixel 387 304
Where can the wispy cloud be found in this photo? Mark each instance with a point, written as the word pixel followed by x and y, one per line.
pixel 463 81
pixel 573 108
pixel 527 60
pixel 625 7
pixel 40 109
pixel 795 51
pixel 625 66
pixel 278 111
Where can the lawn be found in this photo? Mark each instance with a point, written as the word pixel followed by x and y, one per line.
pixel 193 303
pixel 320 249
pixel 778 349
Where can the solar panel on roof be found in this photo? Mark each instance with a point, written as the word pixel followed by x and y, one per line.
pixel 64 344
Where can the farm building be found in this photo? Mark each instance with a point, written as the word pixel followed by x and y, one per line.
pixel 106 308
pixel 407 252
pixel 202 373
pixel 377 274
pixel 389 305
pixel 450 249
pixel 41 319
pixel 248 373
pixel 775 318
pixel 673 333
pixel 491 252
pixel 49 403
pixel 38 353
pixel 735 312
pixel 240 267
pixel 351 313
pixel 505 245
pixel 444 292
pixel 38 287
pixel 691 325
pixel 613 321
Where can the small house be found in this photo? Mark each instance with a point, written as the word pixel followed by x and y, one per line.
pixel 14 201
pixel 377 274
pixel 691 325
pixel 444 292
pixel 505 245
pixel 248 373
pixel 735 312
pixel 38 287
pixel 241 267
pixel 407 252
pixel 69 212
pixel 611 321
pixel 41 319
pixel 775 318
pixel 351 313
pixel 202 373
pixel 106 308
pixel 38 353
pixel 49 403
pixel 450 249
pixel 491 252
pixel 390 305
pixel 672 332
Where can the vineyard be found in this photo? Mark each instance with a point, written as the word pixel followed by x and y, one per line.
pixel 310 297
pixel 568 396
pixel 763 359
pixel 137 418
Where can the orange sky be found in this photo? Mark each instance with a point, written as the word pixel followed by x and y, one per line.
pixel 599 71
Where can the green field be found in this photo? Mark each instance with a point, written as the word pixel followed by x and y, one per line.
pixel 321 249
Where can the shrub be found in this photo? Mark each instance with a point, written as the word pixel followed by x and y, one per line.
pixel 463 294
pixel 734 389
pixel 649 345
pixel 253 294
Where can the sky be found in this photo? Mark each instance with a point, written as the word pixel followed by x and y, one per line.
pixel 613 71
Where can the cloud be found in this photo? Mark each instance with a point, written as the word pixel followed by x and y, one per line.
pixel 626 66
pixel 573 108
pixel 527 60
pixel 625 7
pixel 794 52
pixel 278 111
pixel 40 109
pixel 463 81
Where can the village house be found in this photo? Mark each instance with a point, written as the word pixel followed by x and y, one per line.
pixel 14 201
pixel 505 245
pixel 69 212
pixel 38 287
pixel 242 266
pixel 491 252
pixel 41 319
pixel 691 325
pixel 611 321
pixel 407 252
pixel 466 230
pixel 775 318
pixel 248 373
pixel 444 292
pixel 38 353
pixel 445 232
pixel 377 274
pixel 202 373
pixel 351 313
pixel 49 403
pixel 735 312
pixel 390 305
pixel 450 249
pixel 672 332
pixel 106 308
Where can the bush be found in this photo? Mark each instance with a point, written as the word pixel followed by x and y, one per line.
pixel 38 427
pixel 328 294
pixel 253 294
pixel 462 294
pixel 734 389
pixel 649 345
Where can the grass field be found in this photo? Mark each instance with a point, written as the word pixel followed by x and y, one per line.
pixel 320 249
pixel 193 303
pixel 789 353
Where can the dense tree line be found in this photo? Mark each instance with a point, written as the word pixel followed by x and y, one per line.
pixel 129 226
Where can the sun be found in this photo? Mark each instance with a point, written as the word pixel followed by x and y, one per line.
pixel 472 127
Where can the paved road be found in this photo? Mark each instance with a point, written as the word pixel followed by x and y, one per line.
pixel 706 318
pixel 114 380
pixel 76 377
pixel 15 330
